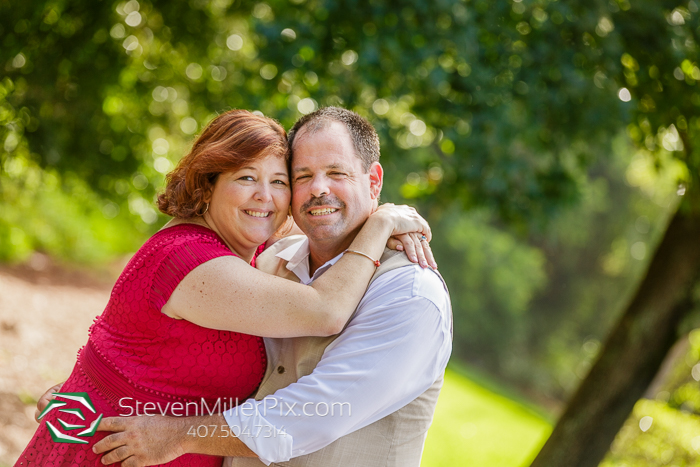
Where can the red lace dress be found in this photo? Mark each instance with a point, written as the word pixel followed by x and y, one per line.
pixel 136 355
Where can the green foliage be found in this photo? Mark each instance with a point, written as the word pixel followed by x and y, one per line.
pixel 681 390
pixel 61 216
pixel 666 430
pixel 525 91
pixel 535 311
pixel 492 278
pixel 656 435
pixel 595 254
pixel 498 105
pixel 48 211
pixel 495 117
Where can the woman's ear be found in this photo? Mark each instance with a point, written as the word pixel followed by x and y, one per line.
pixel 207 192
pixel 206 199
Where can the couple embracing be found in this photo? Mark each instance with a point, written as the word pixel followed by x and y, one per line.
pixel 357 335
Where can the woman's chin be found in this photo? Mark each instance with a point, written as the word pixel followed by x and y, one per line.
pixel 260 237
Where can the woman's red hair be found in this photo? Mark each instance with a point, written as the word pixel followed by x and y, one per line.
pixel 230 141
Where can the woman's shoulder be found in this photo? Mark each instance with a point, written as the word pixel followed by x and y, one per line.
pixel 182 240
pixel 170 254
pixel 185 232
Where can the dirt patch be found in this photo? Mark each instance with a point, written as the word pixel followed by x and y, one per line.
pixel 45 313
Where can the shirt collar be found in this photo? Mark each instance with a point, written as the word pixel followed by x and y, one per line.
pixel 297 257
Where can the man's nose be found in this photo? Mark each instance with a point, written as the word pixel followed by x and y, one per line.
pixel 319 187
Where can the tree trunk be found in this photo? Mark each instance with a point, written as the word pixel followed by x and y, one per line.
pixel 633 352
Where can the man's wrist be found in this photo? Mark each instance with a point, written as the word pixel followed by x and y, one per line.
pixel 186 443
pixel 210 435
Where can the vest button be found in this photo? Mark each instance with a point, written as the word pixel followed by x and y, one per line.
pixel 280 369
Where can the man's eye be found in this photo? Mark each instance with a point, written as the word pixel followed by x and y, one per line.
pixel 301 177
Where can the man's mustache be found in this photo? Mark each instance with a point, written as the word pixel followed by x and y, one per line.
pixel 322 201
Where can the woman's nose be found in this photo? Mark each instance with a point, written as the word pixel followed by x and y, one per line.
pixel 263 193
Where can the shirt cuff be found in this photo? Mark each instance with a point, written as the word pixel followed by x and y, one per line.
pixel 268 442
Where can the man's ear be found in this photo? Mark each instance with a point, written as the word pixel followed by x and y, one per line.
pixel 376 178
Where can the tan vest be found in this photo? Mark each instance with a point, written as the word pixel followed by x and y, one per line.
pixel 394 441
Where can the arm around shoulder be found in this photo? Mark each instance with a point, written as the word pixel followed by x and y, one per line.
pixel 226 293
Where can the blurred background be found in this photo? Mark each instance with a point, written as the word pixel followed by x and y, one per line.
pixel 548 143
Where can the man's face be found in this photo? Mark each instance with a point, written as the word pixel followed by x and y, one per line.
pixel 332 196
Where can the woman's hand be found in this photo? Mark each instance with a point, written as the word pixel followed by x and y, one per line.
pixel 416 247
pixel 402 219
pixel 411 231
pixel 45 399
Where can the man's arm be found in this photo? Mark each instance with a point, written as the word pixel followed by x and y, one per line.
pixel 394 349
pixel 141 441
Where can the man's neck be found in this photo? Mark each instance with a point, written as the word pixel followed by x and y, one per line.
pixel 322 251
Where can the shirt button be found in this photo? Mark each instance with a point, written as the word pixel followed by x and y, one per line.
pixel 280 369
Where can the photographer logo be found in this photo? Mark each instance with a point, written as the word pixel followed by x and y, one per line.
pixel 71 404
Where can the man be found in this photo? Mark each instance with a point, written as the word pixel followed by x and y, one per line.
pixel 362 398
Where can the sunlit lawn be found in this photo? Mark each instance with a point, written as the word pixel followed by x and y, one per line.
pixel 474 426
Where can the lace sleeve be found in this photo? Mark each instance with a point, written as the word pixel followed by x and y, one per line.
pixel 179 258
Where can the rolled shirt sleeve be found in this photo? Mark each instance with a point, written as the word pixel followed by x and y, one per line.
pixel 396 346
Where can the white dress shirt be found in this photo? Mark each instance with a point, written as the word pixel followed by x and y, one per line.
pixel 395 347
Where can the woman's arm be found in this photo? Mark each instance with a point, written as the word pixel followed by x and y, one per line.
pixel 226 293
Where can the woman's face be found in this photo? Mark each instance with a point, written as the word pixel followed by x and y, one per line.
pixel 249 205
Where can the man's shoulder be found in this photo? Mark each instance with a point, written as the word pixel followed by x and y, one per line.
pixel 410 280
pixel 269 262
pixel 430 285
pixel 282 244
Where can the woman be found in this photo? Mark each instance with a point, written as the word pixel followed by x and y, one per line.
pixel 228 196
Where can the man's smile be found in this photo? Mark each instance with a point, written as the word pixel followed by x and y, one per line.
pixel 322 211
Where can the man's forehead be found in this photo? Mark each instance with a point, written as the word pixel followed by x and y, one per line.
pixel 330 129
pixel 331 142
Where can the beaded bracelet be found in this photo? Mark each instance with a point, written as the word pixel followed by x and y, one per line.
pixel 375 261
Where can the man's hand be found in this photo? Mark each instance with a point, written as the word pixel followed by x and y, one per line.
pixel 146 440
pixel 45 399
pixel 141 441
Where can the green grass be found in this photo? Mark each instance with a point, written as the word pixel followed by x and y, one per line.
pixel 475 426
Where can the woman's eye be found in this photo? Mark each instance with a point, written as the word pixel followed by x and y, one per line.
pixel 247 178
pixel 280 182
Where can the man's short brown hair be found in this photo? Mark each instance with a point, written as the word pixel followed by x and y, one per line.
pixel 364 136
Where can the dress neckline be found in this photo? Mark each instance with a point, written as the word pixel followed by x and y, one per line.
pixel 188 226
